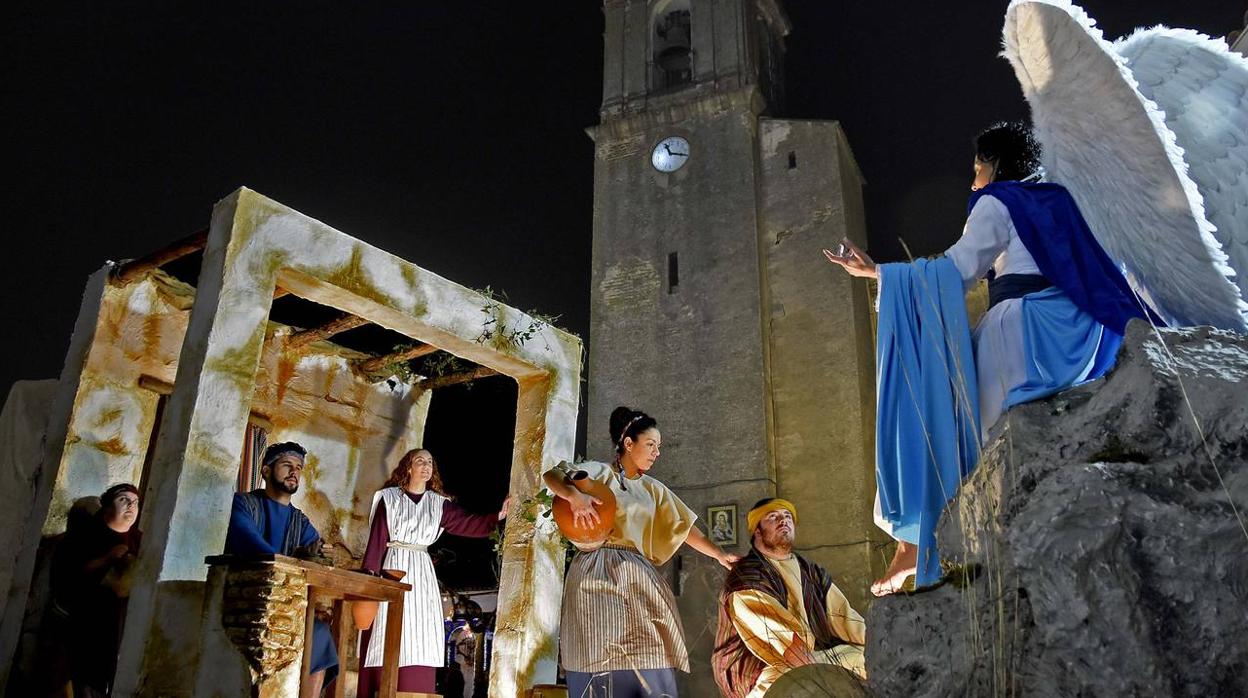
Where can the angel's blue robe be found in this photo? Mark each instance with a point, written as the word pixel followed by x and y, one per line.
pixel 927 435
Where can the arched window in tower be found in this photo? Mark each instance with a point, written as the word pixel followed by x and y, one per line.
pixel 673 45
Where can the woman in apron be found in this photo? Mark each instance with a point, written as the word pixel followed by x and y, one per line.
pixel 620 633
pixel 409 513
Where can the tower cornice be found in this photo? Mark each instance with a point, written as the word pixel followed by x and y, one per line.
pixel 747 99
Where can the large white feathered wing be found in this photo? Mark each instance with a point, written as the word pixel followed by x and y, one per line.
pixel 1202 87
pixel 1110 146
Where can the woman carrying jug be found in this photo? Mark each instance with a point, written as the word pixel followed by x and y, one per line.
pixel 620 629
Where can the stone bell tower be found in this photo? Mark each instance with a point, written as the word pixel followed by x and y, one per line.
pixel 712 306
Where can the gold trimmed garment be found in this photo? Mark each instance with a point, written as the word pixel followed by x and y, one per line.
pixel 779 614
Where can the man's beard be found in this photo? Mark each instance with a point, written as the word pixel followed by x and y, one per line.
pixel 281 485
pixel 781 541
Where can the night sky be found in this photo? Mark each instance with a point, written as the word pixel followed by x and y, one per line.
pixel 451 134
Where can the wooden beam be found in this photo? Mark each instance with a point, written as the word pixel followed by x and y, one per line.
pixel 456 378
pixel 136 268
pixel 301 339
pixel 155 385
pixel 379 362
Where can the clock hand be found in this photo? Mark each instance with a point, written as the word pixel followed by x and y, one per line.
pixel 674 153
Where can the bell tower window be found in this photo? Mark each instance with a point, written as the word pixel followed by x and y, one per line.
pixel 672 40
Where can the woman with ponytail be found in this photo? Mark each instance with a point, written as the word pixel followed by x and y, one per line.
pixel 620 631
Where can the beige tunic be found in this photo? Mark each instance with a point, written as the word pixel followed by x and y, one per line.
pixel 769 629
pixel 617 612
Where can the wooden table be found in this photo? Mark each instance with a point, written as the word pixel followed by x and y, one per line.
pixel 342 587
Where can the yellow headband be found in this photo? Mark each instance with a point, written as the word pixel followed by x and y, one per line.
pixel 756 514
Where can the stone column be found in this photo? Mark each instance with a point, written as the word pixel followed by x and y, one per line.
pixel 526 635
pixel 195 463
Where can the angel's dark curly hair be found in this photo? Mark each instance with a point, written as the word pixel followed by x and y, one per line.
pixel 1012 147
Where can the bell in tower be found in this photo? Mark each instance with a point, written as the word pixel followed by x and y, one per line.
pixel 658 52
pixel 673 46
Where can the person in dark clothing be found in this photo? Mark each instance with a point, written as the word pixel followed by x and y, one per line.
pixel 91 585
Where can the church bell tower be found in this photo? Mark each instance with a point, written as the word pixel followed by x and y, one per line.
pixel 712 306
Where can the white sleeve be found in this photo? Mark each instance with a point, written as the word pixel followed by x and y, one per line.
pixel 984 238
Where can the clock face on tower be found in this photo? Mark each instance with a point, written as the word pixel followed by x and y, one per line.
pixel 670 154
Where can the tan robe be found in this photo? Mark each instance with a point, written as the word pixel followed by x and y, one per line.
pixel 617 612
pixel 767 628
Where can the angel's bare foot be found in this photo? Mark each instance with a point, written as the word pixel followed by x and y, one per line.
pixel 905 560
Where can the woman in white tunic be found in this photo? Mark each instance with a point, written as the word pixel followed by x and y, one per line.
pixel 408 515
pixel 620 634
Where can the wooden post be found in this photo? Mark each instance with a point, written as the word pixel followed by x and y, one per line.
pixel 305 688
pixel 456 378
pixel 346 636
pixel 394 636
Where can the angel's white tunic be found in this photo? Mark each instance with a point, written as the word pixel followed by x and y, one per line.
pixel 989 240
pixel 413 526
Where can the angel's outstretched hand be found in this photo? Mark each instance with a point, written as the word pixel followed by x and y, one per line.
pixel 853 260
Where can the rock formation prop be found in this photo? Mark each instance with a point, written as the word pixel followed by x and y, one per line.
pixel 1103 541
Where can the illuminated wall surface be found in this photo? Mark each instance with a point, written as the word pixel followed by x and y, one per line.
pixel 220 364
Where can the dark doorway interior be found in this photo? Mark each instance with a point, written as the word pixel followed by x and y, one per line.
pixel 470 431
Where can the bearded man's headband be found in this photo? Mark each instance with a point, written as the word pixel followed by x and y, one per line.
pixel 767 506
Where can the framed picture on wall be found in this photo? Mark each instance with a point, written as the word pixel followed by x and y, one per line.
pixel 722 521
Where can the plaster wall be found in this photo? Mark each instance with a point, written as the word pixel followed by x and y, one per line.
pixel 354 430
pixel 255 245
pixel 138 332
pixel 22 424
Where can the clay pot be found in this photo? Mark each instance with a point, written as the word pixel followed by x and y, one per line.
pixel 593 537
pixel 365 612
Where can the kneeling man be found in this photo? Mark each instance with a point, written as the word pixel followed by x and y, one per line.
pixel 779 611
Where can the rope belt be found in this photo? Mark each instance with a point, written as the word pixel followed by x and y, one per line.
pixel 417 547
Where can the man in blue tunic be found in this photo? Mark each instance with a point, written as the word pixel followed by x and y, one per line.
pixel 264 522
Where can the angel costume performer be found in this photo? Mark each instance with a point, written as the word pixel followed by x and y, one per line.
pixel 618 614
pixel 1057 310
pixel 403 526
